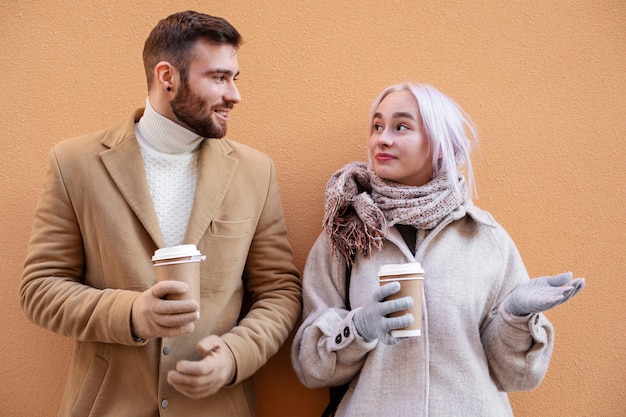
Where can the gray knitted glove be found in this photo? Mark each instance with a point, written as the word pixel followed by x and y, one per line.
pixel 370 321
pixel 541 294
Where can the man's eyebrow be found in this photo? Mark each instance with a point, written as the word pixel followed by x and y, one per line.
pixel 397 115
pixel 222 71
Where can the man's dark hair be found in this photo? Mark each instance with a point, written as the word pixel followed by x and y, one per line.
pixel 173 38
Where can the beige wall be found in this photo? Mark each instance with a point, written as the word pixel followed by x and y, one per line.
pixel 544 82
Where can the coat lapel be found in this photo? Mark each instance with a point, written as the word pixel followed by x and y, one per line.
pixel 125 165
pixel 216 170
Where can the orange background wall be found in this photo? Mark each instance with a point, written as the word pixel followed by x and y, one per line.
pixel 544 82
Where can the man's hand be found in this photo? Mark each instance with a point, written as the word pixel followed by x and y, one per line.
pixel 541 294
pixel 199 379
pixel 154 316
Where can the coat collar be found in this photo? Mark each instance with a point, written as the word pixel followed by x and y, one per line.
pixel 479 215
pixel 466 209
pixel 124 162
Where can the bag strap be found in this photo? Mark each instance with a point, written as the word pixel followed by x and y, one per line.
pixel 347 288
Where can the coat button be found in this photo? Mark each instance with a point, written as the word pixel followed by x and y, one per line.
pixel 166 350
pixel 346 332
pixel 338 339
pixel 165 403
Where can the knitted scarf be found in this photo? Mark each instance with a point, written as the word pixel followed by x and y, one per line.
pixel 359 206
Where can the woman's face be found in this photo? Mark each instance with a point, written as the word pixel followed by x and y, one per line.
pixel 398 149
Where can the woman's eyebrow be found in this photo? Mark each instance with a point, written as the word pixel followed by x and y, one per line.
pixel 397 115
pixel 406 115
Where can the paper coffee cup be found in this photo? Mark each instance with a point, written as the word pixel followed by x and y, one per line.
pixel 180 263
pixel 411 279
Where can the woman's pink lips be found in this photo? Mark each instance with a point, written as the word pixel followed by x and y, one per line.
pixel 384 157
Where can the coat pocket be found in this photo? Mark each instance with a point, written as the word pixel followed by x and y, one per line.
pixel 230 228
pixel 90 387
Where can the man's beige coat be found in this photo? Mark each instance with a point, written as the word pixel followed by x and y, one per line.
pixel 89 257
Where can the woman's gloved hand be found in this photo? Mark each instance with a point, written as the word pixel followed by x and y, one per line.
pixel 541 294
pixel 370 321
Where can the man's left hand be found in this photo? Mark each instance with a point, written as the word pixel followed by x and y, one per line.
pixel 200 379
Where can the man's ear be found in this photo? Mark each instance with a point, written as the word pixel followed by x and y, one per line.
pixel 165 76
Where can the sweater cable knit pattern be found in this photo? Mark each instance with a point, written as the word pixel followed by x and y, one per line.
pixel 170 153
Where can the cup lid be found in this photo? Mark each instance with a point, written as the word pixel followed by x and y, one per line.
pixel 180 251
pixel 401 269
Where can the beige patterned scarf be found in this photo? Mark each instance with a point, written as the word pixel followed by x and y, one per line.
pixel 359 205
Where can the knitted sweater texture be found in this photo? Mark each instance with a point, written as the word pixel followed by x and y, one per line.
pixel 170 155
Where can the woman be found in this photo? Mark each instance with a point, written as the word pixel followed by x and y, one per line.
pixel 484 333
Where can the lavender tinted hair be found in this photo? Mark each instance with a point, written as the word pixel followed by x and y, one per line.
pixel 449 130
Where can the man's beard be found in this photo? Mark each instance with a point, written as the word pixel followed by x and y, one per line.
pixel 191 110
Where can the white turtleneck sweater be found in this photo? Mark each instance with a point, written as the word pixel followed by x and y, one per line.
pixel 170 156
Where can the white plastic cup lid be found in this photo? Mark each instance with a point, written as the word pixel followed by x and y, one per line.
pixel 180 251
pixel 400 269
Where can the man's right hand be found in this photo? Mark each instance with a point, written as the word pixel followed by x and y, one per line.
pixel 154 316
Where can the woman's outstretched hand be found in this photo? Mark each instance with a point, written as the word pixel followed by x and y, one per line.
pixel 541 294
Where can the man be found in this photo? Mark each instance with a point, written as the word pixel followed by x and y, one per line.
pixel 163 177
